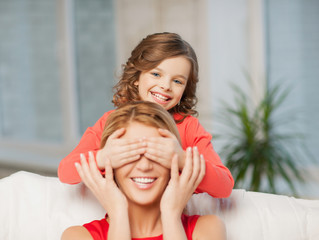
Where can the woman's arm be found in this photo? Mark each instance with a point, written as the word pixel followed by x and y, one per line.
pixel 178 191
pixel 108 194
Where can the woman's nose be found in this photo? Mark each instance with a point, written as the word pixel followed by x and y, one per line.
pixel 144 164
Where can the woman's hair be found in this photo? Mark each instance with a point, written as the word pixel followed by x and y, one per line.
pixel 148 113
pixel 147 55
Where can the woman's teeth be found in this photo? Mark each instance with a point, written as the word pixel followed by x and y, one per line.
pixel 143 180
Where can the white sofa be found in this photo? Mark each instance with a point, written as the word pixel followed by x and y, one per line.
pixel 37 207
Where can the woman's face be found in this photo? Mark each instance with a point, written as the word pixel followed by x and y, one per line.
pixel 166 83
pixel 143 181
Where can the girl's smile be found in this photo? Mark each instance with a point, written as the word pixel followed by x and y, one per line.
pixel 166 83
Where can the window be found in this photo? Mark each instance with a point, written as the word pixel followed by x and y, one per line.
pixel 56 76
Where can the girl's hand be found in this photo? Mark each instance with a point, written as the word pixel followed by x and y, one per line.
pixel 181 187
pixel 120 151
pixel 162 149
pixel 104 189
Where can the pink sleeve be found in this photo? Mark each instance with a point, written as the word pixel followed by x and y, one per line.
pixel 218 181
pixel 90 141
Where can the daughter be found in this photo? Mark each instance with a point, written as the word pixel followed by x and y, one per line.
pixel 145 199
pixel 163 69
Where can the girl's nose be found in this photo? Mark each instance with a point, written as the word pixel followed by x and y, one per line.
pixel 165 84
pixel 144 164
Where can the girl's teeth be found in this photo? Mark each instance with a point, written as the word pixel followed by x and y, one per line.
pixel 160 97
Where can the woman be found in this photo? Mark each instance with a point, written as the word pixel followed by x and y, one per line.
pixel 144 199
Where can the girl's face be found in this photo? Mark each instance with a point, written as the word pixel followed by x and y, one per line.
pixel 143 181
pixel 166 83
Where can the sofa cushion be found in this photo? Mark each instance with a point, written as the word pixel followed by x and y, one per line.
pixel 38 207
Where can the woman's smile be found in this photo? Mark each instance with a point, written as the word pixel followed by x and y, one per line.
pixel 142 181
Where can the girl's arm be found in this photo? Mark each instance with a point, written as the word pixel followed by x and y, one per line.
pixel 117 150
pixel 90 141
pixel 218 181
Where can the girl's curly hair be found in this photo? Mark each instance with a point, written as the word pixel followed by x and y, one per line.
pixel 147 55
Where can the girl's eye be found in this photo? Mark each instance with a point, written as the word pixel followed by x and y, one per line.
pixel 177 81
pixel 155 74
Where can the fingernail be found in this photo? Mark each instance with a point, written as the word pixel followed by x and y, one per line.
pixel 195 148
pixel 81 155
pixel 76 164
pixel 90 154
pixel 189 149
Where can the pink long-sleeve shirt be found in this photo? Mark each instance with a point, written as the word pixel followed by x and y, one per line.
pixel 218 181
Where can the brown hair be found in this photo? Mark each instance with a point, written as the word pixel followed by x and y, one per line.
pixel 148 113
pixel 148 54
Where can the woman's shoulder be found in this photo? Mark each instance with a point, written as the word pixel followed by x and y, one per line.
pixel 76 232
pixel 209 227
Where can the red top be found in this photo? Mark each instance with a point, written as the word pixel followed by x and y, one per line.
pixel 218 181
pixel 99 228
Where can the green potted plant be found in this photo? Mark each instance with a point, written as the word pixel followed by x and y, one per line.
pixel 256 150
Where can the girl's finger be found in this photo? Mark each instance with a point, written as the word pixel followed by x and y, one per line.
pixel 166 133
pixel 133 150
pixel 163 160
pixel 117 134
pixel 134 144
pixel 156 142
pixel 127 160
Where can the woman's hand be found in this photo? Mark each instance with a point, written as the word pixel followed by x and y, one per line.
pixel 104 189
pixel 120 151
pixel 162 149
pixel 181 187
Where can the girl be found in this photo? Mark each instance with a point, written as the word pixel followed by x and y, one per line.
pixel 145 199
pixel 163 69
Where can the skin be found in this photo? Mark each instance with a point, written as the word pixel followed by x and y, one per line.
pixel 164 85
pixel 139 210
